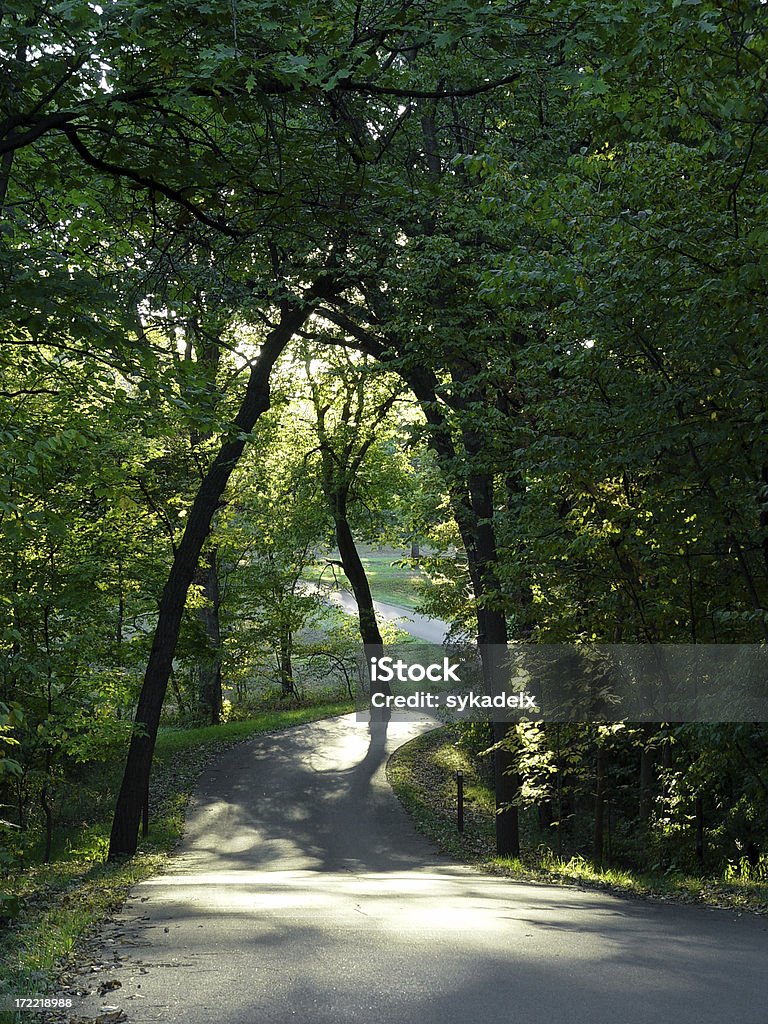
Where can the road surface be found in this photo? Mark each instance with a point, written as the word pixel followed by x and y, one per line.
pixel 302 893
pixel 431 631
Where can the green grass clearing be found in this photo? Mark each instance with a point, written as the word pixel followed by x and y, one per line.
pixel 392 584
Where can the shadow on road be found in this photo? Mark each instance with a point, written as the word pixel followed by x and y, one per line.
pixel 303 892
pixel 303 802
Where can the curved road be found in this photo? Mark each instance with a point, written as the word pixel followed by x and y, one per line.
pixel 423 627
pixel 302 893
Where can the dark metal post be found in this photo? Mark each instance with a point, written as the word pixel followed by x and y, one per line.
pixel 460 801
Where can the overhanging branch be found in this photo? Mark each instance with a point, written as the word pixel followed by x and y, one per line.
pixel 151 184
pixel 428 94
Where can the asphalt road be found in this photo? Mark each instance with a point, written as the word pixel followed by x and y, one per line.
pixel 302 893
pixel 431 631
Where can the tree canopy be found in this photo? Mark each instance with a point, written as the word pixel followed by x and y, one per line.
pixel 490 275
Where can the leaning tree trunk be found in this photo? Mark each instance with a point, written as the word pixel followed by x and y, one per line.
pixel 125 825
pixel 355 572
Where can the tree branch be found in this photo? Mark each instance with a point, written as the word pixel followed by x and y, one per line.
pixel 427 94
pixel 151 184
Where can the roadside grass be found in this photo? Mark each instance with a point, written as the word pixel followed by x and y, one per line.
pixel 64 901
pixel 423 776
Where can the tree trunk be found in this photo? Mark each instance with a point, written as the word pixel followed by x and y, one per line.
pixel 599 836
pixel 647 779
pixel 472 506
pixel 125 825
pixel 354 570
pixel 48 816
pixel 492 641
pixel 699 825
pixel 286 662
pixel 209 689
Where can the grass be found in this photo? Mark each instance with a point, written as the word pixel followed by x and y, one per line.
pixel 422 774
pixel 64 901
pixel 326 623
pixel 173 741
pixel 389 583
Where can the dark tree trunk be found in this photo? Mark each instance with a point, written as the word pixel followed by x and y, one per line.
pixel 507 785
pixel 286 662
pixel 338 471
pixel 699 825
pixel 472 505
pixel 354 570
pixel 599 836
pixel 209 689
pixel 48 816
pixel 492 640
pixel 647 780
pixel 125 825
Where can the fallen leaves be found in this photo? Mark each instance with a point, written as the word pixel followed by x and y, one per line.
pixel 111 1013
pixel 109 986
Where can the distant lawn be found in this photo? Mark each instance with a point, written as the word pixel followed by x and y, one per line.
pixel 389 583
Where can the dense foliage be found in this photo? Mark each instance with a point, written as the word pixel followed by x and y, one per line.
pixel 505 266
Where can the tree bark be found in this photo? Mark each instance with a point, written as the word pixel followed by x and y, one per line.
pixel 209 689
pixel 699 825
pixel 599 836
pixel 492 636
pixel 125 825
pixel 354 570
pixel 48 816
pixel 473 509
pixel 336 475
pixel 286 662
pixel 647 779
